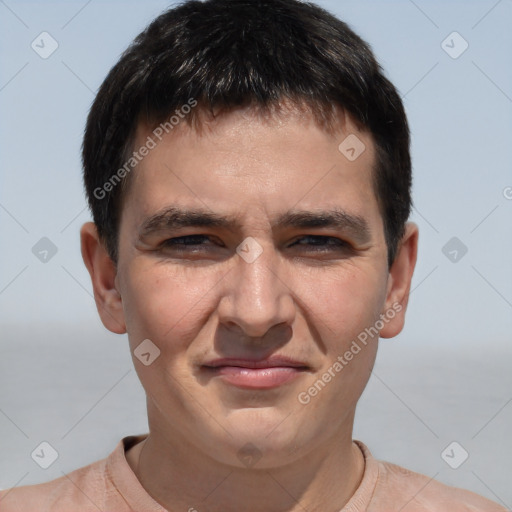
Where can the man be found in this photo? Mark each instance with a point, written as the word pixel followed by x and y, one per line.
pixel 247 167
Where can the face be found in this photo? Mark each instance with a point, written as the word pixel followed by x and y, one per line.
pixel 252 256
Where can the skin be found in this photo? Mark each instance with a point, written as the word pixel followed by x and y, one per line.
pixel 207 302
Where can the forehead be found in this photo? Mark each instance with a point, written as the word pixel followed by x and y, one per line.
pixel 246 163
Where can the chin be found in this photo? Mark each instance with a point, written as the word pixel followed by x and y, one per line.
pixel 263 437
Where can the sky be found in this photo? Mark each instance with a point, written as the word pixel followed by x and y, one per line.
pixel 458 99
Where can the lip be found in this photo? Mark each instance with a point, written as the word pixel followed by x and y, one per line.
pixel 256 373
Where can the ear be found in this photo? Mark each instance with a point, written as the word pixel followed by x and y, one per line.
pixel 399 282
pixel 103 276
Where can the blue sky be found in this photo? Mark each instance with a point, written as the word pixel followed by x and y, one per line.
pixel 459 111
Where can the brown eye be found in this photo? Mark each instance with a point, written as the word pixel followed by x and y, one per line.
pixel 190 245
pixel 321 243
pixel 185 241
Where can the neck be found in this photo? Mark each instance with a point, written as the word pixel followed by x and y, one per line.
pixel 181 479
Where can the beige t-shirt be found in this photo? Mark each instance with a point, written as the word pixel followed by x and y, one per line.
pixel 110 485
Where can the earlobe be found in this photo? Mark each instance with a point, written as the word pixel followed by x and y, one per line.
pixel 103 274
pixel 399 284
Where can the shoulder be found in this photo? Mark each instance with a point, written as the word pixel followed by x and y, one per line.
pixel 102 485
pixel 84 489
pixel 399 489
pixel 90 488
pixel 416 492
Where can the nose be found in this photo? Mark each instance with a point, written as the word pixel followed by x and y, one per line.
pixel 257 296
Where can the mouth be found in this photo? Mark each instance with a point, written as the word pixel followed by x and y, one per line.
pixel 256 374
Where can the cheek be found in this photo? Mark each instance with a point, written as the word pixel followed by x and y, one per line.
pixel 165 306
pixel 341 309
pixel 343 305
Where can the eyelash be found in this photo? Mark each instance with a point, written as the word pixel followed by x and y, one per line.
pixel 332 243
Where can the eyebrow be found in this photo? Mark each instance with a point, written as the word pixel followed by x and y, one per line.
pixel 174 218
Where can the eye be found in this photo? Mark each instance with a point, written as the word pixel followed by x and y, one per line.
pixel 321 243
pixel 201 243
pixel 186 243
